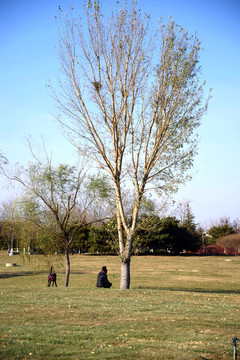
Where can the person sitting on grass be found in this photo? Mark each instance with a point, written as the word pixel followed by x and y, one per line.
pixel 102 280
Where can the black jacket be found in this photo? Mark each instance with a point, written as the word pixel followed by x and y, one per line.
pixel 102 280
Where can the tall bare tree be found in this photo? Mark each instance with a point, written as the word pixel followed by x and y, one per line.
pixel 131 99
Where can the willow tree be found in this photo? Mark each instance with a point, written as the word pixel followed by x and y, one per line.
pixel 131 99
pixel 60 199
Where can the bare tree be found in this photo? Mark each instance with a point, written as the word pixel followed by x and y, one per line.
pixel 130 99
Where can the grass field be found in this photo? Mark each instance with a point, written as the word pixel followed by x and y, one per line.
pixel 179 308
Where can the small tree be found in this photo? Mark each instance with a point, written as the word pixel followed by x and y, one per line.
pixel 57 199
pixel 131 100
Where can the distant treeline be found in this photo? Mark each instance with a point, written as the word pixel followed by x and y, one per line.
pixel 154 235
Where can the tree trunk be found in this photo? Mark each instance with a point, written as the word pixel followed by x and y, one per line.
pixel 125 274
pixel 67 273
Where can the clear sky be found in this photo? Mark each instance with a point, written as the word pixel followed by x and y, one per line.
pixel 29 58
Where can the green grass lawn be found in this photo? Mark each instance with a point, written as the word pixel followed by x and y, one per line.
pixel 177 308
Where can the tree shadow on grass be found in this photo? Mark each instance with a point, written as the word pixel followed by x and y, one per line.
pixel 34 273
pixel 193 290
pixel 15 274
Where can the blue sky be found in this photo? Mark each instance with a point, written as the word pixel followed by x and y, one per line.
pixel 28 59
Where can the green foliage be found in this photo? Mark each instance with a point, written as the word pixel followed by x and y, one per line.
pixel 148 206
pixel 49 243
pixel 193 236
pixel 10 224
pixel 102 239
pixel 153 235
pixel 164 235
pixel 3 238
pixel 51 200
pixel 99 186
pixel 219 231
pixel 81 241
pixel 46 180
